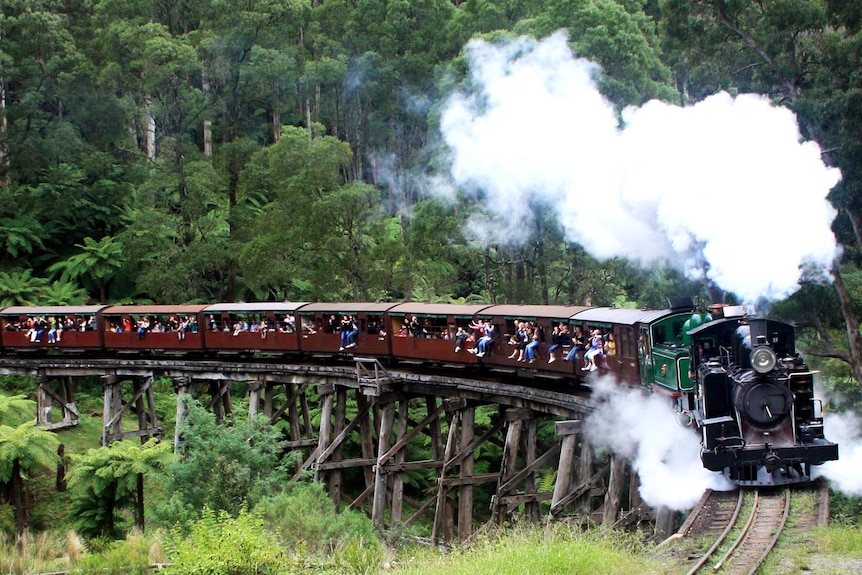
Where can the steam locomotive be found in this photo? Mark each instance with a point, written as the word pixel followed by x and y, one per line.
pixel 736 379
pixel 755 404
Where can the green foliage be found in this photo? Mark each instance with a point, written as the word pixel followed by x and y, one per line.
pixel 304 516
pixel 548 550
pixel 16 409
pixel 20 288
pixel 224 544
pixel 246 454
pixel 133 555
pixel 28 446
pixel 109 479
pixel 358 557
pixel 617 35
pixel 46 552
pixel 98 260
pixel 845 509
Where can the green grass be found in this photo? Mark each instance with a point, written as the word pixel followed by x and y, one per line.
pixel 550 550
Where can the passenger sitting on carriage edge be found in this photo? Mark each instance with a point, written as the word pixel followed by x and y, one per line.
pixel 531 350
pixel 460 337
pixel 577 344
pixel 560 338
pixel 349 331
pixel 486 329
pixel 596 344
pixel 519 339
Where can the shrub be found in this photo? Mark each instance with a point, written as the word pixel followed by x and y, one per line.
pixel 305 514
pixel 132 556
pixel 226 545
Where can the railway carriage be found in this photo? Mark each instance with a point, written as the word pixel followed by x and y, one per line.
pixel 228 327
pixel 320 327
pixel 544 318
pixel 438 325
pixel 78 327
pixel 146 328
pixel 625 325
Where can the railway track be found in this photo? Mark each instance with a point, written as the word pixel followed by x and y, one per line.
pixel 743 526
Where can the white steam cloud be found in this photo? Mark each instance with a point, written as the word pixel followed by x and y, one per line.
pixel 723 189
pixel 843 474
pixel 665 455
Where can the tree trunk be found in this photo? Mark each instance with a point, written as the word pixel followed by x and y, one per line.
pixel 139 503
pixel 4 152
pixel 854 341
pixel 150 130
pixel 19 499
pixel 110 504
pixel 61 468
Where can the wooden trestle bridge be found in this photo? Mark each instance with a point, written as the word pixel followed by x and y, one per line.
pixel 383 425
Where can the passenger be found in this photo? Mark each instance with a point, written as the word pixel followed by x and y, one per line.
pixel 143 327
pixel 560 338
pixel 486 331
pixel 354 332
pixel 212 324
pixel 578 344
pixel 349 332
pixel 40 326
pixel 52 330
pixel 182 328
pixel 595 350
pixel 519 339
pixel 413 327
pixel 263 328
pixel 461 336
pixel 238 328
pixel 610 345
pixel 531 352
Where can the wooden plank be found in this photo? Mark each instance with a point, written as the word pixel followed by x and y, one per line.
pixel 471 480
pixel 346 464
pixel 567 427
pixel 582 489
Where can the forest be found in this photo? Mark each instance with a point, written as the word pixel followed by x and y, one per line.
pixel 191 151
pixel 203 151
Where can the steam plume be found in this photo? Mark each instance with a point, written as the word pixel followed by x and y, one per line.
pixel 645 429
pixel 713 188
pixel 843 474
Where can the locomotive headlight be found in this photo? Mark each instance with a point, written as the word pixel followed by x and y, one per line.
pixel 763 359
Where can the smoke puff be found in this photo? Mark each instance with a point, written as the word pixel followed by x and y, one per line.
pixel 712 188
pixel 665 454
pixel 843 474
